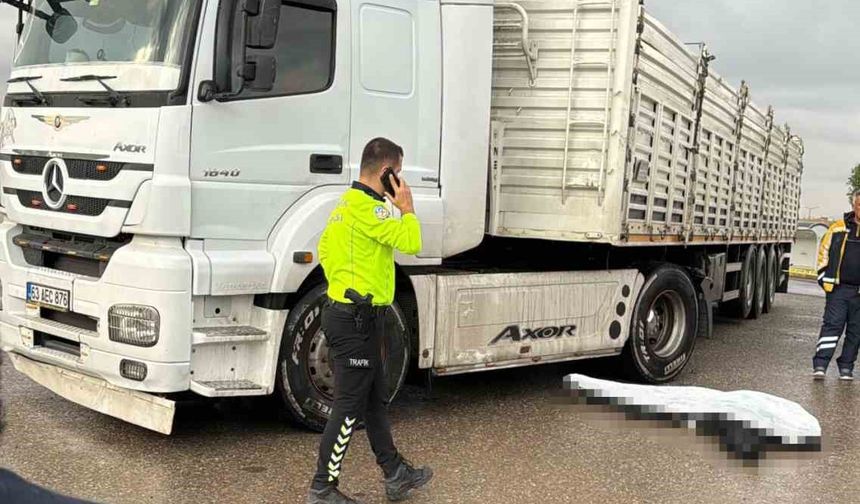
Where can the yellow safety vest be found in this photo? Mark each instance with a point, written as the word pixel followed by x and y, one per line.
pixel 356 249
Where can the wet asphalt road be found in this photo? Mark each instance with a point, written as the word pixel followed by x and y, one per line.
pixel 492 438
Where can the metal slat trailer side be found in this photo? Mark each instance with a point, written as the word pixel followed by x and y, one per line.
pixel 614 131
pixel 631 191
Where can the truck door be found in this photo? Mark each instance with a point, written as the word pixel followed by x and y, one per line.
pixel 397 85
pixel 256 153
pixel 397 93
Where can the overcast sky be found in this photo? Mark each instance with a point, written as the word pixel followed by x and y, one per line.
pixel 801 56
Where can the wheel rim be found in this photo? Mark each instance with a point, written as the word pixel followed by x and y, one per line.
pixel 665 324
pixel 321 374
pixel 319 370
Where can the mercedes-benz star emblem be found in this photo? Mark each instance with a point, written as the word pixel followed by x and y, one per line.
pixel 54 177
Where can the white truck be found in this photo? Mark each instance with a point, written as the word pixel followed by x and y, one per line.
pixel 587 187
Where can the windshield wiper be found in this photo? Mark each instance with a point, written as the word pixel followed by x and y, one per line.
pixel 22 6
pixel 38 97
pixel 115 97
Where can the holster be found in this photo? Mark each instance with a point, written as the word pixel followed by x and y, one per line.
pixel 363 309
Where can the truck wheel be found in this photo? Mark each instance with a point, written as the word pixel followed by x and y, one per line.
pixel 782 265
pixel 663 327
pixel 742 306
pixel 760 279
pixel 305 377
pixel 772 279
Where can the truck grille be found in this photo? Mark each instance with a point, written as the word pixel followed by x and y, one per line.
pixel 77 205
pixel 83 169
pixel 78 254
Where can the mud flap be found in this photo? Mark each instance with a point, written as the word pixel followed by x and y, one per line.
pixel 706 318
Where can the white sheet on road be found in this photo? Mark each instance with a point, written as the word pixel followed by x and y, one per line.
pixel 777 416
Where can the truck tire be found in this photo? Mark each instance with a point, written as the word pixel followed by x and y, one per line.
pixel 782 266
pixel 742 306
pixel 772 279
pixel 760 278
pixel 305 380
pixel 663 327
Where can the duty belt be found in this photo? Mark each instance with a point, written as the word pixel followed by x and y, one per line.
pixel 352 307
pixel 361 309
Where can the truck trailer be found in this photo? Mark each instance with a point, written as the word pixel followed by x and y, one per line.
pixel 587 186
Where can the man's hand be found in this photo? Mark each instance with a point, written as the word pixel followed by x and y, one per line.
pixel 402 197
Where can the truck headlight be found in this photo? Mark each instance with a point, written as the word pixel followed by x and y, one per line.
pixel 136 325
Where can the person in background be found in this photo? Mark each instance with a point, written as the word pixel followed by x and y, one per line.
pixel 839 276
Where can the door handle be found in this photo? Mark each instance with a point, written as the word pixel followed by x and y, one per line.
pixel 326 163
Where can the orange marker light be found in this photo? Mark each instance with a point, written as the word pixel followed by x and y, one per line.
pixel 101 168
pixel 72 207
pixel 303 257
pixel 18 161
pixel 36 202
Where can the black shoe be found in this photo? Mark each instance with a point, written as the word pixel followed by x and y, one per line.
pixel 329 495
pixel 405 479
pixel 819 373
pixel 846 374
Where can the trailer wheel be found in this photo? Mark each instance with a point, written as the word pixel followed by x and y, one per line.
pixel 305 377
pixel 772 279
pixel 782 266
pixel 742 306
pixel 760 278
pixel 663 328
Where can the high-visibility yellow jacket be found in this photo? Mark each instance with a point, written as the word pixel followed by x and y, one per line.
pixel 357 247
pixel 831 252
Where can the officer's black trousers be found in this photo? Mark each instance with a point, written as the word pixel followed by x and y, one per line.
pixel 360 394
pixel 841 314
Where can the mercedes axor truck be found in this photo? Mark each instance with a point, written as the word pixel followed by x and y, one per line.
pixel 587 186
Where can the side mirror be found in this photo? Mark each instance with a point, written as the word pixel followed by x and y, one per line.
pixel 259 73
pixel 229 29
pixel 61 26
pixel 263 27
pixel 242 24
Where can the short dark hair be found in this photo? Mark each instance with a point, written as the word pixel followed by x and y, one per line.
pixel 378 153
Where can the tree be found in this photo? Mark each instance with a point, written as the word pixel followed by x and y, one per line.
pixel 854 180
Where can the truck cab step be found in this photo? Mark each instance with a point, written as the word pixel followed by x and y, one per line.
pixel 228 334
pixel 227 388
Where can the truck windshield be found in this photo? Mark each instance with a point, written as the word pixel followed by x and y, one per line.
pixel 61 32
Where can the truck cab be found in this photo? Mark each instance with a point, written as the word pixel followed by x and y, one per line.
pixel 168 167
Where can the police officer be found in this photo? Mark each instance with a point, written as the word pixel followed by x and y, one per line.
pixel 839 276
pixel 356 251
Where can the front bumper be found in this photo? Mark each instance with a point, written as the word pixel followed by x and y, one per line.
pixel 149 271
pixel 139 408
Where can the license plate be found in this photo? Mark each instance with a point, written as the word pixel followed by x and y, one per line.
pixel 48 297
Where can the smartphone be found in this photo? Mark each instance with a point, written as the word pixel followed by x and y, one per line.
pixel 386 182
